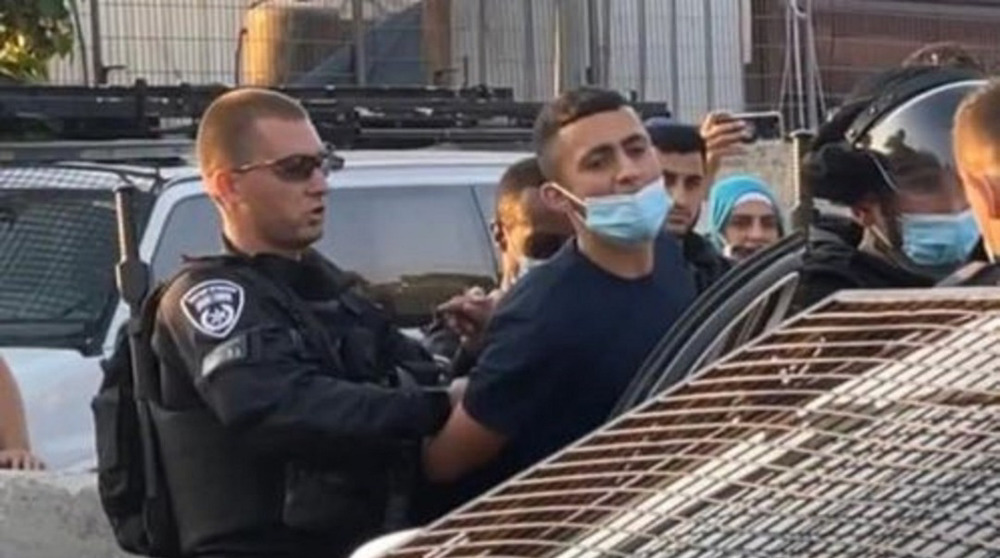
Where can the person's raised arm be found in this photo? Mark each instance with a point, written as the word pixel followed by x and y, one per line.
pixel 15 447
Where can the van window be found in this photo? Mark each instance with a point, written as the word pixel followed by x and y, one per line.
pixel 415 246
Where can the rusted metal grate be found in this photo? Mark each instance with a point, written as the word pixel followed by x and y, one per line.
pixel 867 427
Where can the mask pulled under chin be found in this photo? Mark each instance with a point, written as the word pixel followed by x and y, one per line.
pixel 626 219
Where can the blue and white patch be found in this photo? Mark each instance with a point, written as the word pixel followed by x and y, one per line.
pixel 213 307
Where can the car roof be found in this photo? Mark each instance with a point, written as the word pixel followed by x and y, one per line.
pixel 428 157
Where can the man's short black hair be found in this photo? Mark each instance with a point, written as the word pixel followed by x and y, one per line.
pixel 521 176
pixel 566 109
pixel 674 137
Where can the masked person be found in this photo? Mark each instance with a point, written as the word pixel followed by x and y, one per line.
pixel 683 160
pixel 744 217
pixel 886 155
pixel 567 339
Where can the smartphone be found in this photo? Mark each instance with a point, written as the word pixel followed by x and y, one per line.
pixel 768 125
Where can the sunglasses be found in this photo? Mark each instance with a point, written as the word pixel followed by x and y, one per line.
pixel 297 168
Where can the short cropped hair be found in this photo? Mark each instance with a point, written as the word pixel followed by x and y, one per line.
pixel 977 128
pixel 673 137
pixel 564 110
pixel 226 132
pixel 519 177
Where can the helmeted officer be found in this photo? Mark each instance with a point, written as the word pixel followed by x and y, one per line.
pixel 292 406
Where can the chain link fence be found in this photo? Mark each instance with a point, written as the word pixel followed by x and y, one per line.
pixel 796 56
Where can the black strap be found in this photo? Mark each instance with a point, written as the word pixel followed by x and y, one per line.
pixel 301 314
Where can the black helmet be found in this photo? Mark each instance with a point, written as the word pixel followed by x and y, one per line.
pixel 910 127
pixel 892 134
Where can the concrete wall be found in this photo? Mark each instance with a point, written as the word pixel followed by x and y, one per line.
pixel 51 515
pixel 769 160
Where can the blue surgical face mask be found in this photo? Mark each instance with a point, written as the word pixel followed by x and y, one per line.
pixel 934 239
pixel 627 218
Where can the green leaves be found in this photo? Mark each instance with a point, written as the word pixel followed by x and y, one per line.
pixel 32 32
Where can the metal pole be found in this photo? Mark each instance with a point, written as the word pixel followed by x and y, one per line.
pixel 481 43
pixel 557 48
pixel 802 214
pixel 643 49
pixel 606 43
pixel 594 70
pixel 97 56
pixel 360 56
pixel 530 66
pixel 571 54
pixel 709 56
pixel 811 69
pixel 675 73
pixel 797 65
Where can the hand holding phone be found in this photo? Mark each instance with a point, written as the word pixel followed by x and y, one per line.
pixel 767 125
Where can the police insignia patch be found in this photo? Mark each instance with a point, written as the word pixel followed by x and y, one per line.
pixel 213 307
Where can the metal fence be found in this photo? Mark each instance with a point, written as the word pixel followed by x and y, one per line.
pixel 799 56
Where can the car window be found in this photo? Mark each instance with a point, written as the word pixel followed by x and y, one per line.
pixel 192 229
pixel 58 249
pixel 415 246
pixel 57 257
pixel 486 197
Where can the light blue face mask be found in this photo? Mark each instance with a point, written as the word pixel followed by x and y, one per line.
pixel 934 239
pixel 627 218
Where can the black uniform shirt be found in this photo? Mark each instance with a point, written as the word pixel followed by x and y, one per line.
pixel 248 393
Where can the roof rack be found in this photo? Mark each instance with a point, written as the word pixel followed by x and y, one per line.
pixel 96 151
pixel 345 116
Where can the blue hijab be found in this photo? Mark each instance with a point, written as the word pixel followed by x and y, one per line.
pixel 724 197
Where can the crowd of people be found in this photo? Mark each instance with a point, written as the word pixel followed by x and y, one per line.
pixel 285 436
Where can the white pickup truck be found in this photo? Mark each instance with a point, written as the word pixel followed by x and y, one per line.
pixel 413 223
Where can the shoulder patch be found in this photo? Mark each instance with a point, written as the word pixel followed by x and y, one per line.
pixel 213 307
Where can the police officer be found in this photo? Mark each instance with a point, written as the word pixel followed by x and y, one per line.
pixel 292 407
pixel 886 154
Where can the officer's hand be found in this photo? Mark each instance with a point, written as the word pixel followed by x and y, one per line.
pixel 723 138
pixel 20 460
pixel 468 314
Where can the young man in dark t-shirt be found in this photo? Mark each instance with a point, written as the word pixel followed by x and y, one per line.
pixel 567 339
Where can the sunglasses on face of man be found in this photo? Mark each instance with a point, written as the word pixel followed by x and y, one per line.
pixel 297 167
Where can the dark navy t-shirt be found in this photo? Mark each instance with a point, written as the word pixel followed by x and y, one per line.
pixel 562 348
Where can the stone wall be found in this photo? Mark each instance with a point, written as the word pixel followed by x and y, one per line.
pixel 769 160
pixel 51 515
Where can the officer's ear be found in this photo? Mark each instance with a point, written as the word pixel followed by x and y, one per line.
pixel 221 186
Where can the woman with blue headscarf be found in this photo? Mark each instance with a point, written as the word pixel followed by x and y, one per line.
pixel 744 216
